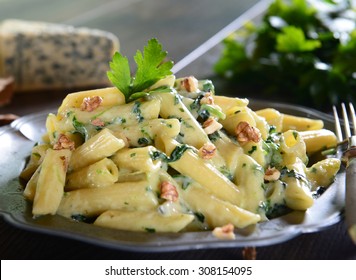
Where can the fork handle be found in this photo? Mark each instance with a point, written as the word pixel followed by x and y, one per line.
pixel 350 207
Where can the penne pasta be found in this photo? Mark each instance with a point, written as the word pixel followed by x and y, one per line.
pixel 148 221
pixel 102 145
pixel 50 182
pixel 99 174
pixel 90 202
pixel 110 97
pixel 317 140
pixel 217 212
pixel 177 158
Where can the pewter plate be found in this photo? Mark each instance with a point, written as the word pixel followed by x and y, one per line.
pixel 15 148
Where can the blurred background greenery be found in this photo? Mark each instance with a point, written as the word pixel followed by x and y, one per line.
pixel 300 51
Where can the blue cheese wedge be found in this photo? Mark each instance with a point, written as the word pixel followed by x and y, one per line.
pixel 42 56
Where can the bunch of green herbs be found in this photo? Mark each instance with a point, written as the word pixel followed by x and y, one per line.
pixel 301 51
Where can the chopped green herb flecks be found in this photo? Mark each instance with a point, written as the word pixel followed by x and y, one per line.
pixel 253 148
pixel 80 128
pixel 178 152
pixel 150 230
pixel 143 141
pixel 200 217
pixel 137 111
pixel 273 210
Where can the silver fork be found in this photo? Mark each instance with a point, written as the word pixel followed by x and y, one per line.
pixel 349 156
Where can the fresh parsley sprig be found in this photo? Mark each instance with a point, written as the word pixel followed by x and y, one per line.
pixel 151 67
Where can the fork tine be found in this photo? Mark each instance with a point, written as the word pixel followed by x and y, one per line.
pixel 346 121
pixel 337 125
pixel 353 117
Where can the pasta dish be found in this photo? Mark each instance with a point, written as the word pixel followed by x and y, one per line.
pixel 180 158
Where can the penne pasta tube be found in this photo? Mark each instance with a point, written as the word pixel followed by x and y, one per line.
pixel 273 117
pixel 51 181
pixel 132 176
pixel 317 140
pixel 145 133
pixel 193 166
pixel 173 107
pixel 229 150
pixel 249 179
pixel 298 195
pixel 111 96
pixel 290 122
pixel 148 221
pixel 292 147
pixel 137 159
pixel 99 174
pixel 102 145
pixel 226 103
pixel 78 120
pixel 216 212
pixel 36 158
pixel 238 114
pixel 91 202
pixel 30 189
pixel 234 116
pixel 322 173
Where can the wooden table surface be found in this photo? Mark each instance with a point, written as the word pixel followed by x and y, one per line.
pixel 181 26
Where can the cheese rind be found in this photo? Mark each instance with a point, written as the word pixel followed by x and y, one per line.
pixel 44 56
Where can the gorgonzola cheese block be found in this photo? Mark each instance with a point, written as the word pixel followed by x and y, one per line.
pixel 44 56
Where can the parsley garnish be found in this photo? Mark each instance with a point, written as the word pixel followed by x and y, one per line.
pixel 151 67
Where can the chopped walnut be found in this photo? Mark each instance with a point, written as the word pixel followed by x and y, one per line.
pixel 91 103
pixel 98 122
pixel 190 84
pixel 245 133
pixel 168 191
pixel 211 125
pixel 207 99
pixel 207 151
pixel 225 232
pixel 249 253
pixel 272 174
pixel 64 142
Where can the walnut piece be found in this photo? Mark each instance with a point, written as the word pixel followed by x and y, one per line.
pixel 246 133
pixel 207 99
pixel 168 191
pixel 190 84
pixel 64 142
pixel 225 232
pixel 98 122
pixel 272 174
pixel 207 151
pixel 211 125
pixel 91 103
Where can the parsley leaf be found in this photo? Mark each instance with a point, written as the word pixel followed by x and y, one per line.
pixel 151 67
pixel 120 74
